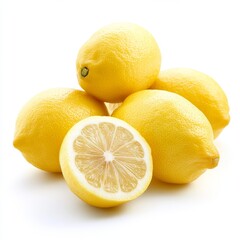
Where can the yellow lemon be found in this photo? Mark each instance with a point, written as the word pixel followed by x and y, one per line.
pixel 112 106
pixel 179 134
pixel 105 161
pixel 118 60
pixel 45 119
pixel 201 90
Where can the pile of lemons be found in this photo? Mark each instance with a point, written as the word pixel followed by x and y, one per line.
pixel 131 122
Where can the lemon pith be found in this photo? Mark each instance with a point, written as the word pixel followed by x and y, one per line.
pixel 105 162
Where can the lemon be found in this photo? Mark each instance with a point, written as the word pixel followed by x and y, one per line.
pixel 179 134
pixel 105 161
pixel 201 90
pixel 112 106
pixel 45 119
pixel 119 59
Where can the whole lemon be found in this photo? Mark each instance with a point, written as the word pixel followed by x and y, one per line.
pixel 118 60
pixel 44 121
pixel 201 90
pixel 179 134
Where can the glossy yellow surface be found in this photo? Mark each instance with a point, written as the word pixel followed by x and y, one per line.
pixel 179 134
pixel 201 90
pixel 117 60
pixel 44 121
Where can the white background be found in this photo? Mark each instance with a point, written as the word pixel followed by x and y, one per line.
pixel 39 41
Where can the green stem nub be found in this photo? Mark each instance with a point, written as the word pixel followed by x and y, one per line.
pixel 84 72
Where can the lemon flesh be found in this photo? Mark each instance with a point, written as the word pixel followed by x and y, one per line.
pixel 201 90
pixel 179 134
pixel 117 60
pixel 105 161
pixel 44 121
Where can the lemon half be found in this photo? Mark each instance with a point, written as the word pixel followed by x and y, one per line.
pixel 105 161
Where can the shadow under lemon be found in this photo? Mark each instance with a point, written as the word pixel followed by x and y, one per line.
pixel 41 181
pixel 157 187
pixel 38 182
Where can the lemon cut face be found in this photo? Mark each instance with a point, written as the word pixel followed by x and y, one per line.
pixel 105 161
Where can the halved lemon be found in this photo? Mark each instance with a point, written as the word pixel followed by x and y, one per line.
pixel 105 161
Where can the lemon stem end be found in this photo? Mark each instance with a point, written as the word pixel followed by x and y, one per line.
pixel 84 72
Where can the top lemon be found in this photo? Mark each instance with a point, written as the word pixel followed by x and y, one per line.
pixel 117 60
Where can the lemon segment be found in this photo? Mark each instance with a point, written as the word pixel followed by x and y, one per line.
pixel 105 161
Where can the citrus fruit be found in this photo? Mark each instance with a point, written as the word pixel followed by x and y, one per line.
pixel 179 134
pixel 201 90
pixel 119 59
pixel 45 119
pixel 105 161
pixel 112 106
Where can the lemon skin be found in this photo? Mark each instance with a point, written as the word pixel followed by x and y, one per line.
pixel 201 90
pixel 117 60
pixel 44 121
pixel 179 134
